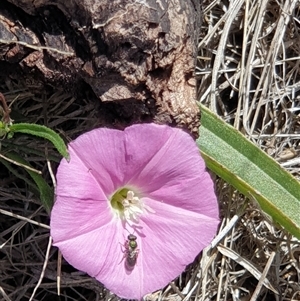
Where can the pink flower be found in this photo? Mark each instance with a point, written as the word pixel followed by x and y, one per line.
pixel 133 207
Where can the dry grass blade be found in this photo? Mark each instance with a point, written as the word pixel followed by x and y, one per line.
pixel 249 74
pixel 269 71
pixel 6 298
pixel 36 47
pixel 263 278
pixel 234 10
pixel 20 164
pixel 228 227
pixel 29 220
pixel 247 265
pixel 43 270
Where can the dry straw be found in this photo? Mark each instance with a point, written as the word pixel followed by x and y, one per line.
pixel 248 73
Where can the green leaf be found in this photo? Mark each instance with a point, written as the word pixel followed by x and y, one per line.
pixel 41 131
pixel 12 146
pixel 251 171
pixel 46 193
pixel 19 175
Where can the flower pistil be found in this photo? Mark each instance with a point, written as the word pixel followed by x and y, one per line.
pixel 128 205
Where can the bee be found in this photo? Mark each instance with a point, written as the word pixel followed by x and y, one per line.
pixel 130 251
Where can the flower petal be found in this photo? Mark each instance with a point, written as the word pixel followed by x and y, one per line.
pixel 100 253
pixel 173 238
pixel 72 217
pixel 172 157
pixel 167 243
pixel 164 167
pixel 74 179
pixel 94 252
pixel 195 193
pixel 99 152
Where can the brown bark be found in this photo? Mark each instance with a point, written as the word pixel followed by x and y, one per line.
pixel 139 54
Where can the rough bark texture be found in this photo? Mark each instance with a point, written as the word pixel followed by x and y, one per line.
pixel 139 54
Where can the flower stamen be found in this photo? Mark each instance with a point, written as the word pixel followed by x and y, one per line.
pixel 129 206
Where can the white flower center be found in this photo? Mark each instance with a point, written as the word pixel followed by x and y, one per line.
pixel 129 206
pixel 134 207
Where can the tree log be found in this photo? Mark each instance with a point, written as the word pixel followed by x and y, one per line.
pixel 139 54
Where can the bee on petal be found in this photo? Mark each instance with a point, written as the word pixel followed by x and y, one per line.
pixel 130 251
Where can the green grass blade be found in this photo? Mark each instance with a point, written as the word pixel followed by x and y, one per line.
pixel 46 193
pixel 41 131
pixel 243 165
pixel 12 146
pixel 19 175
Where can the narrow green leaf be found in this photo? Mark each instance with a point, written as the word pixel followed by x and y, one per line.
pixel 46 193
pixel 12 146
pixel 243 165
pixel 19 175
pixel 41 131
